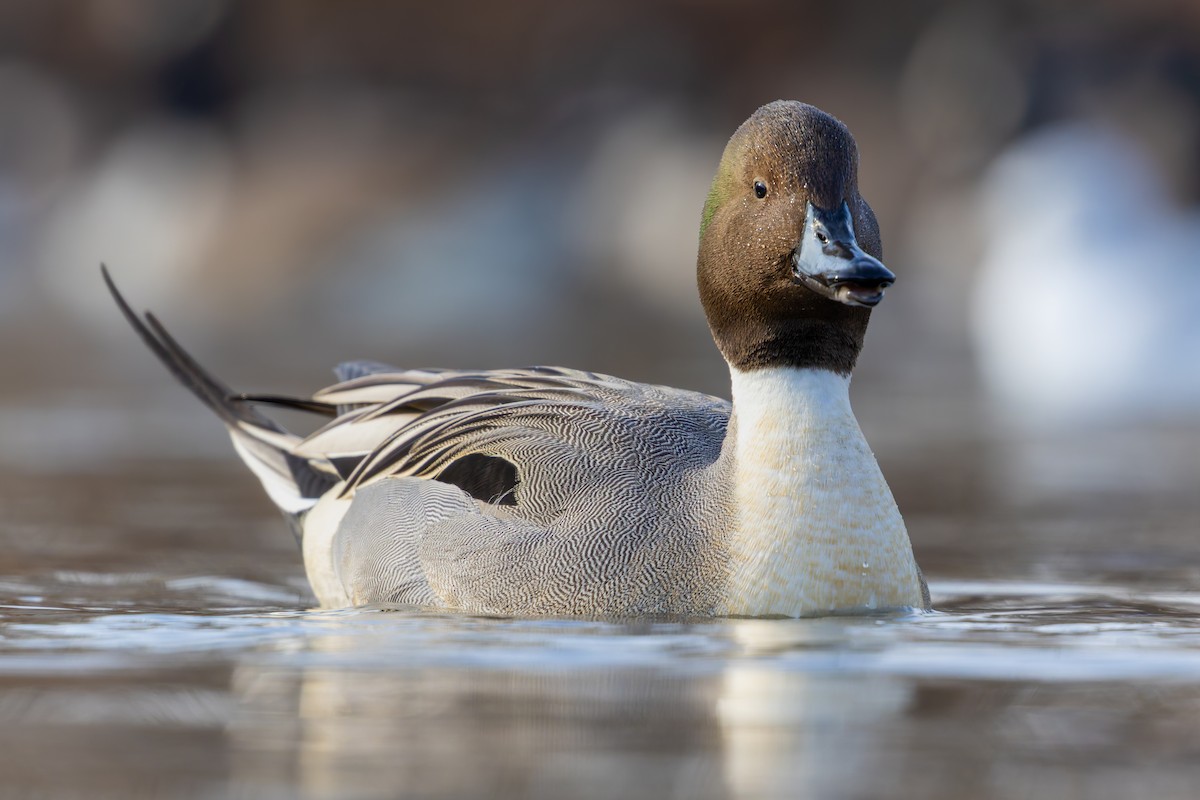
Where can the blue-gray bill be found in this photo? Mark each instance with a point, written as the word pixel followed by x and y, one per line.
pixel 829 261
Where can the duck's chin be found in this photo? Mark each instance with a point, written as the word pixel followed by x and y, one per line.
pixel 857 296
pixel 850 293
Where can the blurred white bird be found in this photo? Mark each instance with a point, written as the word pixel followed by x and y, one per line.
pixel 1085 309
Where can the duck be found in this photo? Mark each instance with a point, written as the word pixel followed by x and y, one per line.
pixel 548 491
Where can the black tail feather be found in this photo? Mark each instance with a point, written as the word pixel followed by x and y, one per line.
pixel 236 411
pixel 210 391
pixel 295 403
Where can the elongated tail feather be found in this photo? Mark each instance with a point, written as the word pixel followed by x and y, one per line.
pixel 294 483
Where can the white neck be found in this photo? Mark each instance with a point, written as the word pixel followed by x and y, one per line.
pixel 816 527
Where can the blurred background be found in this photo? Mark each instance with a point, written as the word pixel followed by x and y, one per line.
pixel 290 184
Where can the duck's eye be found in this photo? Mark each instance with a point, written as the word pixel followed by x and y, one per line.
pixel 760 190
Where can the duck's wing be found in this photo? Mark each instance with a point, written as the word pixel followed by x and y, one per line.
pixel 509 491
pixel 474 429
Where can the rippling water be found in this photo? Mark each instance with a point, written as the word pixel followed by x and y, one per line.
pixel 156 642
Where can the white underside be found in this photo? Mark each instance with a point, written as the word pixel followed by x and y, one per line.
pixel 324 514
pixel 320 528
pixel 282 491
pixel 817 528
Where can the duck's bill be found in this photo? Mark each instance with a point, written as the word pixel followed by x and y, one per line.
pixel 829 261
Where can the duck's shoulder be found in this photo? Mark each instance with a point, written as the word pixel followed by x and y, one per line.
pixel 419 422
pixel 382 391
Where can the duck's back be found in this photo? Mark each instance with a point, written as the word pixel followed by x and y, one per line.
pixel 525 491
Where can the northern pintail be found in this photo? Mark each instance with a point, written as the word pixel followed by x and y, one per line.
pixel 555 491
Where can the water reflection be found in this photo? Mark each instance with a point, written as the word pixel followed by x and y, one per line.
pixel 556 710
pixel 450 732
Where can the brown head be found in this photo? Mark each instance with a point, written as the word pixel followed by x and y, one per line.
pixel 789 265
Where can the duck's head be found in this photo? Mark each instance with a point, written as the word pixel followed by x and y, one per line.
pixel 789 263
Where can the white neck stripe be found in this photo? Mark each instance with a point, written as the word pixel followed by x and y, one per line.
pixel 817 528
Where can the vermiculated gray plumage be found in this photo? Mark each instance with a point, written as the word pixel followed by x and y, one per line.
pixel 614 482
